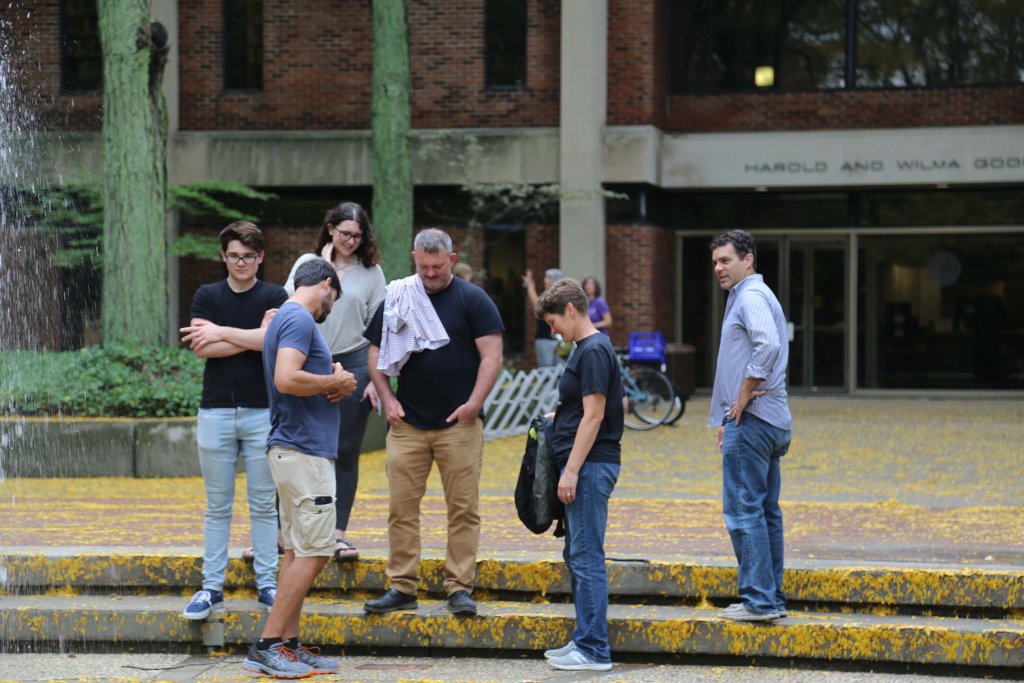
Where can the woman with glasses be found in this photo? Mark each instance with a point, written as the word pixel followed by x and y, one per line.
pixel 347 242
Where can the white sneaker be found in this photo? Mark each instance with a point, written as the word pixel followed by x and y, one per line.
pixel 577 661
pixel 561 651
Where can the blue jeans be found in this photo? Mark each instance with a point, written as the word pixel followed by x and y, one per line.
pixel 224 435
pixel 586 519
pixel 751 481
pixel 354 414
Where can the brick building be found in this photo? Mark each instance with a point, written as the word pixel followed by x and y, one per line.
pixel 876 150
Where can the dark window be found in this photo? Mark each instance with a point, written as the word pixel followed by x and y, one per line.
pixel 505 44
pixel 748 44
pixel 939 43
pixel 823 44
pixel 81 55
pixel 243 44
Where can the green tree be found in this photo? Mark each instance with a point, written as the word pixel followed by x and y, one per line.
pixel 392 164
pixel 134 306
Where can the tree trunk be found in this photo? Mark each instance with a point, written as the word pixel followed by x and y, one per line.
pixel 392 165
pixel 134 309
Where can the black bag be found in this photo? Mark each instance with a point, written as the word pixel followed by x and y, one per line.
pixel 537 488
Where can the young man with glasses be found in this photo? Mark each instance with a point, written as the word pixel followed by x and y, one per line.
pixel 229 319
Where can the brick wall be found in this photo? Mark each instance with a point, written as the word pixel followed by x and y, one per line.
pixel 640 273
pixel 318 68
pixel 637 61
pixel 840 110
pixel 31 34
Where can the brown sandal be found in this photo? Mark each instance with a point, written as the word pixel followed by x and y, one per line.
pixel 343 550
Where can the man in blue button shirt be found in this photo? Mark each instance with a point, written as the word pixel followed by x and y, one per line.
pixel 750 410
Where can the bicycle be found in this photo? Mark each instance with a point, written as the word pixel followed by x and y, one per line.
pixel 650 395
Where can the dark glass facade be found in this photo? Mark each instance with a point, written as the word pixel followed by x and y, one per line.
pixel 731 45
pixel 930 304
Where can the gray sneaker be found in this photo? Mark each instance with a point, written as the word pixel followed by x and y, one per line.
pixel 277 661
pixel 560 651
pixel 577 661
pixel 738 611
pixel 319 664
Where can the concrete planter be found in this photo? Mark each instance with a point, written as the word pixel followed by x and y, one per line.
pixel 109 447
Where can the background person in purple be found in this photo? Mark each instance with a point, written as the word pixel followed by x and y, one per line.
pixel 600 313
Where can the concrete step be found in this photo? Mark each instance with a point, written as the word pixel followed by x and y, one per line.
pixel 83 622
pixel 900 588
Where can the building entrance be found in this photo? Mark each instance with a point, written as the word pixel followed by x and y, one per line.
pixel 878 309
pixel 809 276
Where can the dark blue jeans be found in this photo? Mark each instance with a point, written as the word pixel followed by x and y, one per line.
pixel 751 481
pixel 350 436
pixel 586 519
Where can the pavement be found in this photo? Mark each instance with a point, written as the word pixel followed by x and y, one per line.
pixel 173 668
pixel 866 481
pixel 879 483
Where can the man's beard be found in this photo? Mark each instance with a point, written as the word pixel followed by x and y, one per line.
pixel 325 309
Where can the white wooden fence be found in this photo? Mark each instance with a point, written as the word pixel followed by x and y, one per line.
pixel 518 397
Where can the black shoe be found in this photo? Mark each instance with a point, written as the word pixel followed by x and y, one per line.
pixel 391 601
pixel 460 604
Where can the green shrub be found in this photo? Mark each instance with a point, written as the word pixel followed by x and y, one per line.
pixel 111 381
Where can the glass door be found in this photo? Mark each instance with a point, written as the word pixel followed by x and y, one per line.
pixel 814 295
pixel 809 276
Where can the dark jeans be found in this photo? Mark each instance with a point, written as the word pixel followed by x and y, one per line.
pixel 350 437
pixel 751 481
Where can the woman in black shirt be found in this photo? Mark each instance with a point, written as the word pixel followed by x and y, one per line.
pixel 586 442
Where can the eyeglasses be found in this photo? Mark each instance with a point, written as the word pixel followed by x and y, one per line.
pixel 349 236
pixel 241 258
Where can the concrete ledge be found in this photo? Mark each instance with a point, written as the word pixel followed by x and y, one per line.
pixel 530 627
pixel 166 448
pixel 885 589
pixel 67 448
pixel 76 447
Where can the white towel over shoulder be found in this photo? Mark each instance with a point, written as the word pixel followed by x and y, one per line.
pixel 410 325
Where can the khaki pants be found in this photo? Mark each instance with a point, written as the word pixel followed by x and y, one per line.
pixel 458 452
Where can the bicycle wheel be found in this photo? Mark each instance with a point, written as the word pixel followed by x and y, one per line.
pixel 652 400
pixel 678 406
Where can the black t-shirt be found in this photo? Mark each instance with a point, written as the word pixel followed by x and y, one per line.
pixel 592 369
pixel 235 381
pixel 433 383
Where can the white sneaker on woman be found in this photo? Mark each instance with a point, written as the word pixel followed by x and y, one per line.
pixel 561 651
